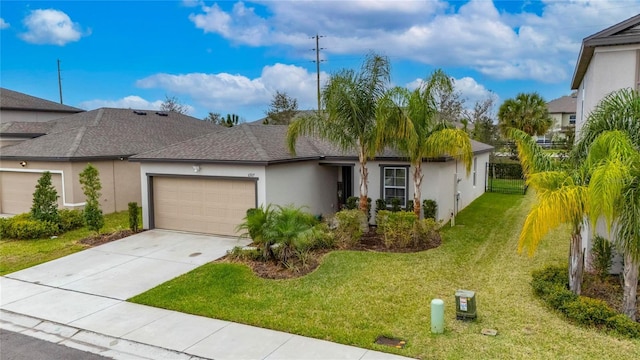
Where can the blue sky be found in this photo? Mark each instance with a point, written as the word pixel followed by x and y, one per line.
pixel 232 56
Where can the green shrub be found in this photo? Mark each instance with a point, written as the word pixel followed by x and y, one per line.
pixel 242 253
pixel 45 200
pixel 409 206
pixel 624 326
pixel 396 228
pixel 134 221
pixel 429 208
pixel 381 204
pixel 425 231
pixel 70 220
pixel 395 205
pixel 29 229
pixel 255 224
pixel 588 311
pixel 601 256
pixel 352 202
pixel 91 186
pixel 550 284
pixel 349 225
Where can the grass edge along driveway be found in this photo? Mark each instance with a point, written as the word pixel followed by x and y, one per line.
pixel 355 296
pixel 20 254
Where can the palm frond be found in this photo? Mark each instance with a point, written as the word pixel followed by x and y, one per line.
pixel 452 142
pixel 531 155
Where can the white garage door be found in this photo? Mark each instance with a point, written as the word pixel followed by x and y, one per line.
pixel 17 188
pixel 200 204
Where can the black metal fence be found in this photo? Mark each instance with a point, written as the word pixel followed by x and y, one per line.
pixel 506 178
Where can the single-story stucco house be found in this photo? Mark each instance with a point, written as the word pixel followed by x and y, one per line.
pixel 609 60
pixel 24 116
pixel 206 184
pixel 104 137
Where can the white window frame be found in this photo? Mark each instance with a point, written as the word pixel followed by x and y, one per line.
pixel 405 186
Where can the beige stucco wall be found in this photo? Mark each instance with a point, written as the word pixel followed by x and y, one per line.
pixel 611 68
pixel 304 183
pixel 239 171
pixel 58 169
pixel 119 178
pixel 30 116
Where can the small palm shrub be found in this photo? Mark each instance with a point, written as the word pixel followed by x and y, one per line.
pixel 285 234
pixel 601 257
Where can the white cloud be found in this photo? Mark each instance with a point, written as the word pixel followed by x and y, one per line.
pixel 495 43
pixel 3 24
pixel 127 102
pixel 225 92
pixel 50 26
pixel 470 90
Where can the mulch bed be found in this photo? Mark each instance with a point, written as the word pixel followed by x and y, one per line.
pixel 100 239
pixel 370 241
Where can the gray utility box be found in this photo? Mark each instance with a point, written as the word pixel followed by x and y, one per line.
pixel 466 305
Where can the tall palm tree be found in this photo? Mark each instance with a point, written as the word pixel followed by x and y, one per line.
pixel 527 112
pixel 561 195
pixel 610 144
pixel 350 99
pixel 409 121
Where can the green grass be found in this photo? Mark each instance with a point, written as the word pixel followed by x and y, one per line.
pixel 20 254
pixel 509 186
pixel 356 296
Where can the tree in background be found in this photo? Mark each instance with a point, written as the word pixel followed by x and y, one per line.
pixel 450 105
pixel 410 121
pixel 527 112
pixel 349 121
pixel 215 118
pixel 481 118
pixel 281 110
pixel 172 103
pixel 45 200
pixel 91 186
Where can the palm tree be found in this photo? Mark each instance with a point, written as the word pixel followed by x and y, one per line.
pixel 408 120
pixel 350 99
pixel 527 112
pixel 610 143
pixel 561 198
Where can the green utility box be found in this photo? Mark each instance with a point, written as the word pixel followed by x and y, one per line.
pixel 466 305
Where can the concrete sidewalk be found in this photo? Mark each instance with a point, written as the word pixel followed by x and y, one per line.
pixel 78 301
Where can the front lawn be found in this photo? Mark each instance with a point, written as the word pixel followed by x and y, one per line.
pixel 355 296
pixel 20 254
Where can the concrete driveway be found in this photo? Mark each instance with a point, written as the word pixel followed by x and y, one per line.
pixel 130 266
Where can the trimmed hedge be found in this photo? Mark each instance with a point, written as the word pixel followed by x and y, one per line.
pixel 349 227
pixel 23 227
pixel 550 284
pixel 70 219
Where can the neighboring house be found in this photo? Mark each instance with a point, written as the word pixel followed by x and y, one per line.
pixel 563 112
pixel 206 184
pixel 24 116
pixel 104 137
pixel 609 60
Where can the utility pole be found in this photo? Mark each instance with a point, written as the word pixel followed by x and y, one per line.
pixel 59 82
pixel 317 49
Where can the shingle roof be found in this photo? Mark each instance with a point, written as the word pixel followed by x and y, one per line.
pixel 13 100
pixel 254 143
pixel 564 105
pixel 107 133
pixel 622 33
pixel 26 127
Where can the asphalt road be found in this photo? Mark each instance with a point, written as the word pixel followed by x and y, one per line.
pixel 14 346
